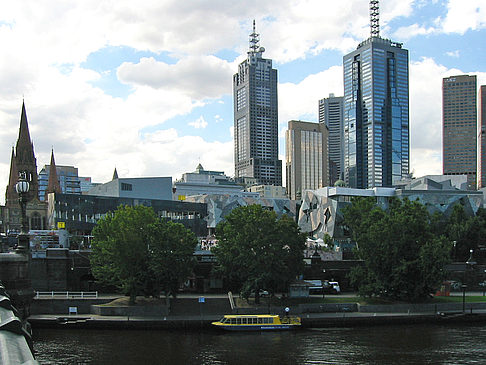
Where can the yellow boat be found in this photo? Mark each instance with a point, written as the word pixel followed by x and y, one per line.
pixel 257 322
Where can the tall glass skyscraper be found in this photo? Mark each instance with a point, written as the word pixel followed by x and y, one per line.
pixel 376 111
pixel 482 137
pixel 256 117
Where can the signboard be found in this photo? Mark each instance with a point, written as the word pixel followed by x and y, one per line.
pixel 202 299
pixel 61 225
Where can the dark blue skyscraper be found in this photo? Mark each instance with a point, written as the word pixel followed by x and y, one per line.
pixel 256 117
pixel 376 111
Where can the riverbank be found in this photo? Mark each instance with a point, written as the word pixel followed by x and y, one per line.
pixel 197 313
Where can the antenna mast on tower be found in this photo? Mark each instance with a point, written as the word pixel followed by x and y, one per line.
pixel 375 18
pixel 254 40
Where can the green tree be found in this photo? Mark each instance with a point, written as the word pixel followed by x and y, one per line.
pixel 171 255
pixel 129 248
pixel 256 250
pixel 402 258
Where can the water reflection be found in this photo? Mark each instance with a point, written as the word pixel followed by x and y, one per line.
pixel 364 345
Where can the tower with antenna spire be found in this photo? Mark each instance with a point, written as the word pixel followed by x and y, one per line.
pixel 256 117
pixel 376 110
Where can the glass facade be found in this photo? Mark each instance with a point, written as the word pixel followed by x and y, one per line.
pixel 376 119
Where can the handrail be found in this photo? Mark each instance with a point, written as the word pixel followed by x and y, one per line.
pixel 67 294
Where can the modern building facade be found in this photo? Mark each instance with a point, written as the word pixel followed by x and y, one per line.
pixel 69 181
pixel 376 112
pixel 269 191
pixel 482 137
pixel 331 114
pixel 139 188
pixel 459 127
pixel 306 159
pixel 204 182
pixel 256 117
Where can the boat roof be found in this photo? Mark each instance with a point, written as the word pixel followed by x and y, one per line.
pixel 250 315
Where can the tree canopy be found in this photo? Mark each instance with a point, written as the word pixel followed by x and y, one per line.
pixel 256 250
pixel 402 257
pixel 140 253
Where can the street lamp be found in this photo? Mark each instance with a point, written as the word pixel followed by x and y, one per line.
pixel 469 263
pixel 22 188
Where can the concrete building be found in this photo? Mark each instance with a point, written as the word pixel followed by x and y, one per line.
pixel 269 191
pixel 204 182
pixel 256 117
pixel 331 114
pixel 376 111
pixel 459 127
pixel 306 159
pixel 481 137
pixel 137 188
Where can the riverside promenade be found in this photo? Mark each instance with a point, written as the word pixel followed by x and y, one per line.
pixel 197 312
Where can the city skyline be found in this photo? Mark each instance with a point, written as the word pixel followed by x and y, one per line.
pixel 147 88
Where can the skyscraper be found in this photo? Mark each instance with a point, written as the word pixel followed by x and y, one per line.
pixel 459 127
pixel 256 117
pixel 306 157
pixel 331 114
pixel 482 137
pixel 376 111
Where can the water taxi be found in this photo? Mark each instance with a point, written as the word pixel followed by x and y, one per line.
pixel 257 322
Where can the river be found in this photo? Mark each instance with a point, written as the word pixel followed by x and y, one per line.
pixel 413 344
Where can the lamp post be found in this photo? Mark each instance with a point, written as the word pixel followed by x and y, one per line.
pixel 22 188
pixel 469 263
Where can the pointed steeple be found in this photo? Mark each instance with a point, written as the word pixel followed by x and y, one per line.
pixel 24 155
pixel 13 177
pixel 115 175
pixel 53 183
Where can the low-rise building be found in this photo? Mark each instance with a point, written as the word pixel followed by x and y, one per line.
pixel 269 191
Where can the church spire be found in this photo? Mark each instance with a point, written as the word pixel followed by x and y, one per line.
pixel 13 177
pixel 53 183
pixel 115 175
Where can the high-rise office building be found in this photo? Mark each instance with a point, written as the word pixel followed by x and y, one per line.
pixel 306 158
pixel 256 117
pixel 376 111
pixel 482 137
pixel 331 114
pixel 459 127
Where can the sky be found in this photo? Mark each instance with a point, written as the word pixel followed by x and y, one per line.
pixel 146 86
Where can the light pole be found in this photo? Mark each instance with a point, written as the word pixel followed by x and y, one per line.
pixel 469 263
pixel 22 188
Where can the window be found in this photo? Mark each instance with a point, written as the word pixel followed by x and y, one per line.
pixel 126 187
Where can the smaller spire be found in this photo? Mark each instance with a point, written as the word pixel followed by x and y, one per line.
pixel 53 185
pixel 115 175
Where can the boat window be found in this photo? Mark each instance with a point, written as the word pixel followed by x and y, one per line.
pixel 233 320
pixel 238 320
pixel 255 321
pixel 244 320
pixel 270 320
pixel 223 320
pixel 260 320
pixel 265 320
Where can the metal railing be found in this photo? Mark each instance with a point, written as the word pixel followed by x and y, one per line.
pixel 66 294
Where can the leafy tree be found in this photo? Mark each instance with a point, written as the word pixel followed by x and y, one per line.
pixel 256 250
pixel 402 258
pixel 133 249
pixel 171 255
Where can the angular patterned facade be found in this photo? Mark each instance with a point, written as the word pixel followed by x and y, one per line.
pixel 256 118
pixel 482 137
pixel 321 210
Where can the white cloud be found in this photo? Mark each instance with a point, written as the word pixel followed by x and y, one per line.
pixel 464 15
pixel 455 54
pixel 199 123
pixel 405 33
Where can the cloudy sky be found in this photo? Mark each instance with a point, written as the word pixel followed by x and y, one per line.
pixel 146 86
